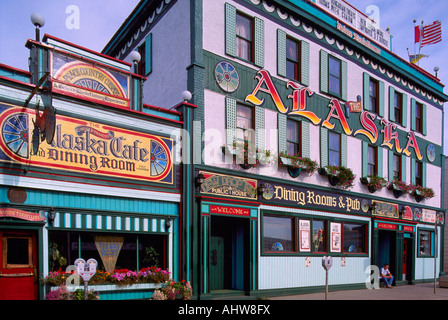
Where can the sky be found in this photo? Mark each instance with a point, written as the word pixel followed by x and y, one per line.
pixel 91 24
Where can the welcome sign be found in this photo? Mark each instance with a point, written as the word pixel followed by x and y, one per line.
pixel 86 147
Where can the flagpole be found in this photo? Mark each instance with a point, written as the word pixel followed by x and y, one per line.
pixel 420 47
pixel 415 43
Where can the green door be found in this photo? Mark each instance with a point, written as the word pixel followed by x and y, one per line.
pixel 217 263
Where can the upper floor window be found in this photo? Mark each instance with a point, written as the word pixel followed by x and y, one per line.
pixel 293 137
pixel 397 166
pixel 244 123
pixel 419 173
pixel 373 96
pixel 372 161
pixel 334 76
pixel 398 105
pixel 293 59
pixel 244 37
pixel 334 149
pixel 419 117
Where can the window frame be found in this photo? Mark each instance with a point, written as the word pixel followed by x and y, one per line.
pixel 397 156
pixel 294 230
pixel 376 84
pixel 418 173
pixel 252 123
pixel 332 76
pixel 309 222
pixel 418 117
pixel 250 41
pixel 430 232
pixel 374 149
pixel 297 63
pixel 298 143
pixel 398 107
pixel 330 150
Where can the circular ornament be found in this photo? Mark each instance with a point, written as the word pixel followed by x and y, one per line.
pixel 227 77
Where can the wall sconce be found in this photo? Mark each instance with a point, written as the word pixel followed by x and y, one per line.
pixel 261 189
pixel 403 210
pixel 168 224
pixel 373 206
pixel 199 180
pixel 51 216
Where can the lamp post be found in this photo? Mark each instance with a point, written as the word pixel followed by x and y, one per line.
pixel 39 21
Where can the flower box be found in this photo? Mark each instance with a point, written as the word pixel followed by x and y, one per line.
pixel 117 292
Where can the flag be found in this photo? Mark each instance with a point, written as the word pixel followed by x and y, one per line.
pixel 418 33
pixel 431 34
pixel 414 58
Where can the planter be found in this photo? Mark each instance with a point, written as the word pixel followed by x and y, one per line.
pixel 294 172
pixel 333 180
pixel 397 192
pixel 116 292
pixel 418 196
pixel 245 166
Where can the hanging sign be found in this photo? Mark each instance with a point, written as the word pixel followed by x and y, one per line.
pixel 229 186
pixel 109 248
pixel 89 81
pixel 234 211
pixel 20 214
pixel 385 209
pixel 86 147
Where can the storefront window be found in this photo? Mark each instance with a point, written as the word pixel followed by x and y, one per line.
pixel 66 247
pixel 354 238
pixel 319 236
pixel 278 234
pixel 425 243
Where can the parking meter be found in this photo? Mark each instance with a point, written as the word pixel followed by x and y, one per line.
pixel 86 271
pixel 327 263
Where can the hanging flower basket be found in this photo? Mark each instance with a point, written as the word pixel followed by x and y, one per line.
pixel 374 183
pixel 339 176
pixel 296 164
pixel 399 188
pixel 421 193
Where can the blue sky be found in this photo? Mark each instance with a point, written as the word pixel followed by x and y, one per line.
pixel 99 19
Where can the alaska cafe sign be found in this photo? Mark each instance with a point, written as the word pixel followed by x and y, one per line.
pixel 336 114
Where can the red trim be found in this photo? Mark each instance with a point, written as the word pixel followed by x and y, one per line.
pixel 165 110
pixel 239 202
pixel 4 66
pixel 17 81
pixel 47 36
pixel 394 220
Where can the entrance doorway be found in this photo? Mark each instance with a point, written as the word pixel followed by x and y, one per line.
pixel 387 250
pixel 229 254
pixel 18 266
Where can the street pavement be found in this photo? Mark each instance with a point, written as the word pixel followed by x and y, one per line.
pixel 423 291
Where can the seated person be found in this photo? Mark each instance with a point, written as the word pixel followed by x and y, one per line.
pixel 386 276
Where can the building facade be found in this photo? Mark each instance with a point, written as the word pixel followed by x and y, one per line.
pixel 88 171
pixel 281 85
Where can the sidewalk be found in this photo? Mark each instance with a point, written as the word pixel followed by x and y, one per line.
pixel 424 291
